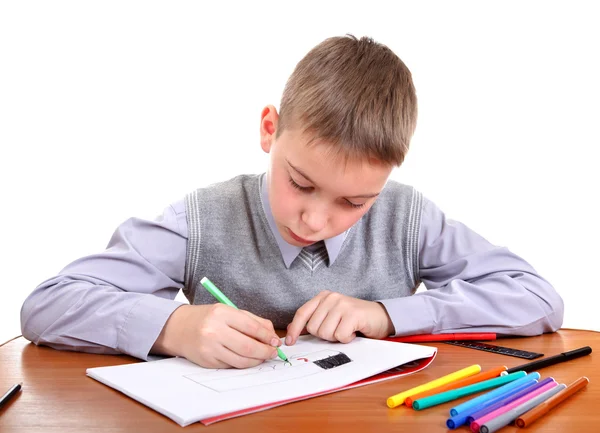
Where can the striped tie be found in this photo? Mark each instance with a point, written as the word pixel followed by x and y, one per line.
pixel 314 255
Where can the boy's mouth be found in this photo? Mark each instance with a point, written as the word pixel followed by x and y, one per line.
pixel 299 239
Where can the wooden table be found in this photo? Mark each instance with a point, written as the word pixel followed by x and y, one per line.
pixel 58 397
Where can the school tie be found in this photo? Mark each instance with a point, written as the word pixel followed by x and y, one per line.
pixel 314 255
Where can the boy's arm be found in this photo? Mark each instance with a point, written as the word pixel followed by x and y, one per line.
pixel 477 286
pixel 119 300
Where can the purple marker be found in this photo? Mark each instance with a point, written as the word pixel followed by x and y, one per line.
pixel 487 409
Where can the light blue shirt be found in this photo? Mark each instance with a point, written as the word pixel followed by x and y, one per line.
pixel 118 301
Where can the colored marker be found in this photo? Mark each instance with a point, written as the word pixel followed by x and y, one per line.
pixel 468 416
pixel 504 400
pixel 462 336
pixel 551 360
pixel 506 418
pixel 10 393
pixel 398 399
pixel 220 296
pixel 538 411
pixel 479 377
pixel 524 377
pixel 475 425
pixel 453 394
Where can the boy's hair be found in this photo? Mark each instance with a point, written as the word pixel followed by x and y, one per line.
pixel 355 94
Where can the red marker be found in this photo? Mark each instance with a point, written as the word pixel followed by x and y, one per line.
pixel 444 337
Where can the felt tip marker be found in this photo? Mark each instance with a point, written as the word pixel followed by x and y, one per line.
pixel 220 296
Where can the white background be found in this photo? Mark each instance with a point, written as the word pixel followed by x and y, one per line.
pixel 115 109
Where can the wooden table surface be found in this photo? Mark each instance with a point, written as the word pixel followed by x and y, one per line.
pixel 58 397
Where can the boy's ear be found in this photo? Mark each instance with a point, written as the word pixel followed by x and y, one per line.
pixel 268 127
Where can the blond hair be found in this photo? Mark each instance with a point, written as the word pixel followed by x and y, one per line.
pixel 355 94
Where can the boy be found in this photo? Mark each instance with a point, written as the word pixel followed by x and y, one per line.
pixel 322 242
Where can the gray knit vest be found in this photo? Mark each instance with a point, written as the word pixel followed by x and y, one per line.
pixel 230 242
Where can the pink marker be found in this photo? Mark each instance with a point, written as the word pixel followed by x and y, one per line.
pixel 481 421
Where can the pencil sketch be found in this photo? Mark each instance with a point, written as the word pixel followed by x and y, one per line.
pixel 270 372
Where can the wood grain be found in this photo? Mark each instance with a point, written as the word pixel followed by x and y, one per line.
pixel 58 397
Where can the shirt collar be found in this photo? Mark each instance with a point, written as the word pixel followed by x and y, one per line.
pixel 290 252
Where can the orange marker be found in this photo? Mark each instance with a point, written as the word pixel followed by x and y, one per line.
pixel 479 377
pixel 537 412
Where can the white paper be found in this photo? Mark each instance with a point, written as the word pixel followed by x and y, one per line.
pixel 187 393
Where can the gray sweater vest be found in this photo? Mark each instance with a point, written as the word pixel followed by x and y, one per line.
pixel 230 242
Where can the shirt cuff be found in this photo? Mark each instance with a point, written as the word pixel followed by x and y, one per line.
pixel 143 324
pixel 410 315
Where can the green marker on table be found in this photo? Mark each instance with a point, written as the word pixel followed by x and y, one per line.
pixel 220 296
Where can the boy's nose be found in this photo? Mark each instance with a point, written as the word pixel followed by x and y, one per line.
pixel 316 220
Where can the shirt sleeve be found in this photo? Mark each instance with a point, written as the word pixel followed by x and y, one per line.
pixel 119 300
pixel 473 286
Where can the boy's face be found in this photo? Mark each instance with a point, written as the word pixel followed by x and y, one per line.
pixel 313 194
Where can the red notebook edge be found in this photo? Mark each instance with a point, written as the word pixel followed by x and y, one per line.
pixel 400 371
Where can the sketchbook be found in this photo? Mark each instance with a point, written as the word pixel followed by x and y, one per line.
pixel 188 393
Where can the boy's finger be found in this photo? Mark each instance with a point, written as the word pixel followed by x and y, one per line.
pixel 246 347
pixel 228 357
pixel 346 330
pixel 325 309
pixel 265 322
pixel 328 325
pixel 303 332
pixel 300 320
pixel 248 325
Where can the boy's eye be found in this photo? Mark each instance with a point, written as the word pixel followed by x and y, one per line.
pixel 301 188
pixel 310 188
pixel 355 205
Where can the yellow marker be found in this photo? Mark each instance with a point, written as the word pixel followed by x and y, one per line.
pixel 398 399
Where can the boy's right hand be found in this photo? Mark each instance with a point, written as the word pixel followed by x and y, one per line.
pixel 217 336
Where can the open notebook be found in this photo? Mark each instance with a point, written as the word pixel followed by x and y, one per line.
pixel 187 393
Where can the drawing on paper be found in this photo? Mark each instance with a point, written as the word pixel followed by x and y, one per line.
pixel 333 361
pixel 270 372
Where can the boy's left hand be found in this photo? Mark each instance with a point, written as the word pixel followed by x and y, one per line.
pixel 336 317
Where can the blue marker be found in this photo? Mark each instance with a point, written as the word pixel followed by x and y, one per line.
pixel 481 411
pixel 498 391
pixel 463 417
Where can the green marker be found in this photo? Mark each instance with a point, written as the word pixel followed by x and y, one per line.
pixel 453 394
pixel 214 290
